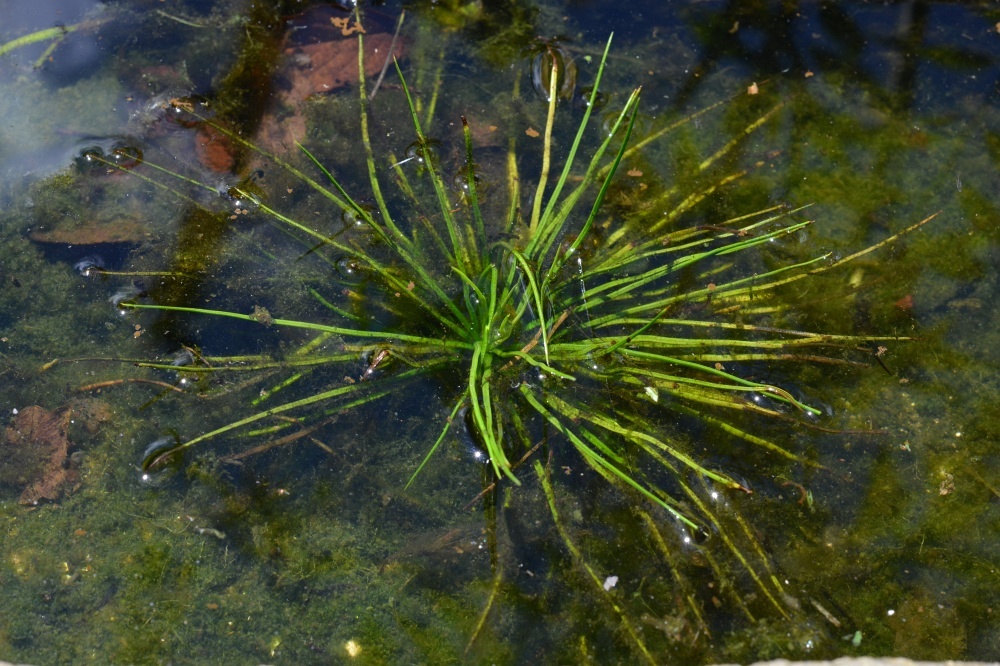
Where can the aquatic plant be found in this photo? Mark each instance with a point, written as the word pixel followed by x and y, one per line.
pixel 557 325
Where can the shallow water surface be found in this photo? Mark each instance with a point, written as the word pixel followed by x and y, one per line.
pixel 149 157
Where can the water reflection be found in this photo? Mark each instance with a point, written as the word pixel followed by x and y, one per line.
pixel 30 76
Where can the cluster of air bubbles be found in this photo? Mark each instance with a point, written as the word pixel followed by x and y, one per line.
pixel 89 266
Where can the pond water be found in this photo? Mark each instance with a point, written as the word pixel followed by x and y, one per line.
pixel 148 154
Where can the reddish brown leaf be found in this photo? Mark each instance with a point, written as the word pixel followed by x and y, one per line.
pixel 34 450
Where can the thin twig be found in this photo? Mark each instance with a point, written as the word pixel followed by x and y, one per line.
pixel 129 380
pixel 538 335
pixel 493 485
pixel 180 20
pixel 287 439
pixel 388 57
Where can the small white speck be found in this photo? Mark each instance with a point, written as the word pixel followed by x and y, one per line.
pixel 15 410
pixel 610 582
pixel 891 612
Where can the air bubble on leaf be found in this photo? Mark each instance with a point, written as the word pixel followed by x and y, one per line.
pixel 503 330
pixel 352 219
pixel 608 122
pixel 158 460
pixel 541 72
pixel 350 269
pixel 242 200
pixel 461 180
pixel 422 151
pixel 182 358
pixel 125 156
pixel 90 159
pixel 124 295
pixel 469 437
pixel 582 99
pixel 89 266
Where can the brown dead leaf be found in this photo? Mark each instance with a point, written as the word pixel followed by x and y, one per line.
pixel 214 149
pixel 35 447
pixel 325 66
pixel 317 69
